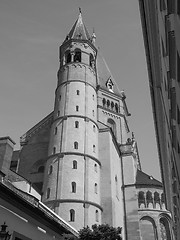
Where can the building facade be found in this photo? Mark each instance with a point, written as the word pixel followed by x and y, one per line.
pixel 161 30
pixel 82 158
pixel 27 218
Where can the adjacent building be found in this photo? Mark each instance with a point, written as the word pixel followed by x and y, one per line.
pixel 161 31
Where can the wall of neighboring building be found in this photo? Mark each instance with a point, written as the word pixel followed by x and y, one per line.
pixel 161 29
pixel 22 226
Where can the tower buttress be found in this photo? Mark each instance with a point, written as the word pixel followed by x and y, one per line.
pixel 72 176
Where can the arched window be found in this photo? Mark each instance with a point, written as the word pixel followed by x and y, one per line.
pixel 149 199
pixel 76 124
pixel 72 215
pixel 112 105
pixel 108 103
pixel 111 123
pixel 91 60
pixel 156 198
pixel 97 216
pixel 94 148
pixel 48 193
pixel 148 228
pixel 74 164
pixel 73 187
pixel 50 169
pixel 94 128
pixel 162 201
pixel 141 199
pixel 95 167
pixel 55 130
pixel 77 55
pixel 75 145
pixel 54 150
pixel 41 169
pixel 116 107
pixel 95 188
pixel 165 231
pixel 77 108
pixel 104 102
pixel 77 92
pixel 68 56
pixel 162 198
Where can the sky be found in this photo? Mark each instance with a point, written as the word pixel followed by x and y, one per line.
pixel 31 33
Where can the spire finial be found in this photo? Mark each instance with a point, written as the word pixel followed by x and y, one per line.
pixel 80 10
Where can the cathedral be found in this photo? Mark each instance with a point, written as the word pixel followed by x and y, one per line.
pixel 82 158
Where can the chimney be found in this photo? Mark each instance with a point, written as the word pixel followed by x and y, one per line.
pixel 6 151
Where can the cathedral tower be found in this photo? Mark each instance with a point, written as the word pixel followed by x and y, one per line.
pixel 72 174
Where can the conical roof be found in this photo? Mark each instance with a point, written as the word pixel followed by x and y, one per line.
pixel 144 179
pixel 79 30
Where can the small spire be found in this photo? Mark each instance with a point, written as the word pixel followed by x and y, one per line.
pixel 80 10
pixel 93 37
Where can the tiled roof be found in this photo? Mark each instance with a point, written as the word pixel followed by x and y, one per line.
pixel 144 179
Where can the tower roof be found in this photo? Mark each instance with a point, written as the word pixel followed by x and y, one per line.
pixel 144 179
pixel 104 74
pixel 79 30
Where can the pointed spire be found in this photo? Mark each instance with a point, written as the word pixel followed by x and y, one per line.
pixel 79 30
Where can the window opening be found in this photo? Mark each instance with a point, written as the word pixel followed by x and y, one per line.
pixel 68 56
pixel 77 56
pixel 72 215
pixel 97 216
pixel 74 164
pixel 91 60
pixel 104 101
pixel 76 124
pixel 75 145
pixel 116 107
pixel 111 123
pixel 73 185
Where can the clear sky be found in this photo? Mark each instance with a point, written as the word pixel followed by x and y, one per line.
pixel 31 32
